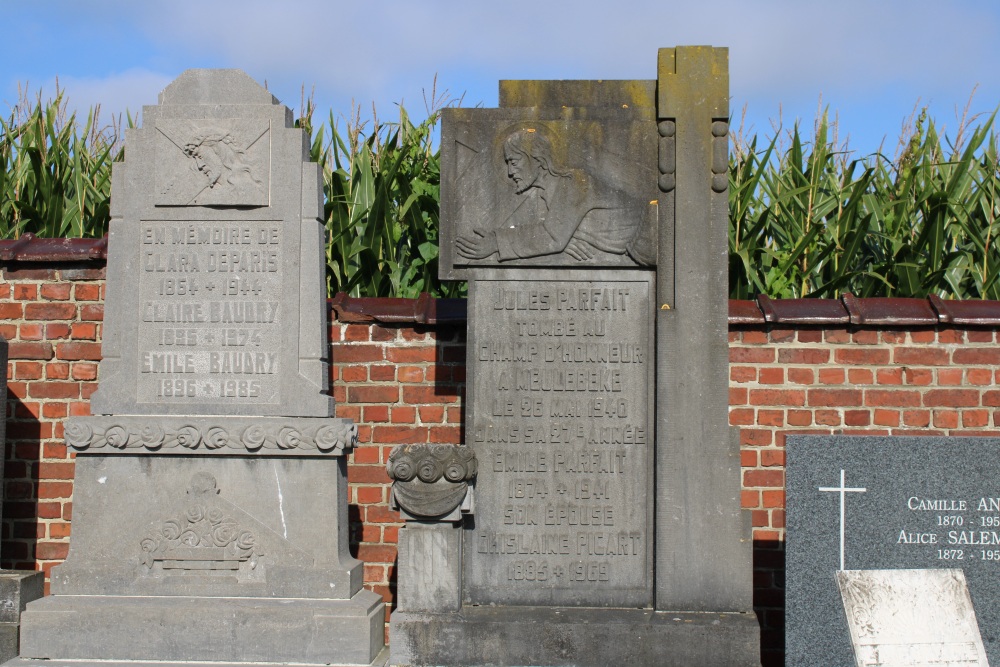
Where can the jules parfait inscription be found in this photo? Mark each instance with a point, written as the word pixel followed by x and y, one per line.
pixel 565 431
pixel 210 296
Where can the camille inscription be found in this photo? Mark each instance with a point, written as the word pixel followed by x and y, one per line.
pixel 211 295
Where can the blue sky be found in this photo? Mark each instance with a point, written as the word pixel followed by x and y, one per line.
pixel 870 61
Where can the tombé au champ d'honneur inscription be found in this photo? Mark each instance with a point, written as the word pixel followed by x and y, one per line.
pixel 561 425
pixel 210 296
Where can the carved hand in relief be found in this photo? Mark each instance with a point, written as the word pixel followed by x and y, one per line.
pixel 478 246
pixel 579 249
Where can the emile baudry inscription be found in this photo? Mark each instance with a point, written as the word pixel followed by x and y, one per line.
pixel 562 210
pixel 843 490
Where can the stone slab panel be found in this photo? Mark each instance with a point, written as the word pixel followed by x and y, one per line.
pixel 205 629
pixel 429 567
pixel 17 589
pixel 210 526
pixel 560 416
pixel 577 637
pixel 592 195
pixel 704 549
pixel 215 295
pixel 379 661
pixel 909 504
pixel 3 404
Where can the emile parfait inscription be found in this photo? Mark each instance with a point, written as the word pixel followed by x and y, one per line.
pixel 211 301
pixel 564 434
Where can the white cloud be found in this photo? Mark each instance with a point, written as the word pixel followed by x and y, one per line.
pixel 116 94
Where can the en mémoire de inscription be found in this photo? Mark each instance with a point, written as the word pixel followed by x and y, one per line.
pixel 561 426
pixel 211 305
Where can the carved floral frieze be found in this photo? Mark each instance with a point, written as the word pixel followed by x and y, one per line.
pixel 323 436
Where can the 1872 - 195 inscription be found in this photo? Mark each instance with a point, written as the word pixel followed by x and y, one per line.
pixel 560 420
pixel 210 300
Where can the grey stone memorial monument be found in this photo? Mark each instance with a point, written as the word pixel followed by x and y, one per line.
pixel 893 551
pixel 210 506
pixel 590 219
pixel 17 588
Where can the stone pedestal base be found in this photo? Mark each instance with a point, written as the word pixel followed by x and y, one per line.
pixel 181 629
pixel 521 636
pixel 17 588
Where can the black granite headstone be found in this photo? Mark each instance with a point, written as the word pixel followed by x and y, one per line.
pixel 891 518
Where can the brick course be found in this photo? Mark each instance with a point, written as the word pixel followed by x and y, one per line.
pixel 405 384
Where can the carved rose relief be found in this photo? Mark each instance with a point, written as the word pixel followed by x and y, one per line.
pixel 203 533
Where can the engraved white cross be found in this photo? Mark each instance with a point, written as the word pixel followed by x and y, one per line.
pixel 843 491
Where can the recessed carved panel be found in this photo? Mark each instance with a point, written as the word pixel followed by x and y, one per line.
pixel 213 162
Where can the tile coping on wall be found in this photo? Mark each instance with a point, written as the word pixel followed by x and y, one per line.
pixel 848 310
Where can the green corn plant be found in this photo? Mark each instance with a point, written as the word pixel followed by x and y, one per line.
pixel 55 174
pixel 382 194
pixel 811 221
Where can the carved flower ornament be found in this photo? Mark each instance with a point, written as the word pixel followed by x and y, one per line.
pixel 431 480
pixel 202 532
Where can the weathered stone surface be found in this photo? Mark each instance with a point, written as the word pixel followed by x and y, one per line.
pixel 210 500
pixel 703 552
pixel 432 482
pixel 211 526
pixel 521 636
pixel 560 415
pixel 536 187
pixel 926 505
pixel 430 567
pixel 17 589
pixel 246 630
pixel 215 247
pixel 216 436
pixel 590 220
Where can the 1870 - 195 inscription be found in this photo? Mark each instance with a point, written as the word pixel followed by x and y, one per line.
pixel 560 420
pixel 210 301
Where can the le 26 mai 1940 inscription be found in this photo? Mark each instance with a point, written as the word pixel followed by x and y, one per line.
pixel 561 422
pixel 210 296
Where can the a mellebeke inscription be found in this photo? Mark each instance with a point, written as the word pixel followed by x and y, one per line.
pixel 560 421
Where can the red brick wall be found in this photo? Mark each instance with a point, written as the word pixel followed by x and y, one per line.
pixel 403 384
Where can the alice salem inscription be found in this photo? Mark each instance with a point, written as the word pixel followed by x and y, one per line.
pixel 210 295
pixel 953 529
pixel 561 423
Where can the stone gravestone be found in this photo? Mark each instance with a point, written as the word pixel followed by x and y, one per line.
pixel 893 551
pixel 590 220
pixel 17 588
pixel 210 505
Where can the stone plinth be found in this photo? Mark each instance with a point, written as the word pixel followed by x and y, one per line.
pixel 210 500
